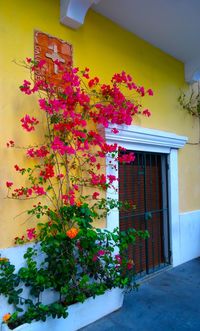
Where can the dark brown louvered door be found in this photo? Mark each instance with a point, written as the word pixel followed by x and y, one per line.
pixel 144 183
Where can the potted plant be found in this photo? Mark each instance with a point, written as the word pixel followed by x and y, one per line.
pixel 72 262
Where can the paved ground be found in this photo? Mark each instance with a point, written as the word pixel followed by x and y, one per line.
pixel 170 301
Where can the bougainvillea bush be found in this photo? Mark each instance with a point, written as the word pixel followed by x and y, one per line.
pixel 65 181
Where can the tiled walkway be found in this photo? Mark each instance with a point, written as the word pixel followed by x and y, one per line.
pixel 168 302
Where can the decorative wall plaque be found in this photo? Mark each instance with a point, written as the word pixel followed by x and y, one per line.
pixel 49 48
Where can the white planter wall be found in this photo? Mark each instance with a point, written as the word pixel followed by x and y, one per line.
pixel 80 314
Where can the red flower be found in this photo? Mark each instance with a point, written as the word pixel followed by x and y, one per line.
pixel 146 112
pixel 9 184
pixel 95 195
pixel 95 258
pixel 130 264
pixel 17 168
pixel 28 60
pixel 10 143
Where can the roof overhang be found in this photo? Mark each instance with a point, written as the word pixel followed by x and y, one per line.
pixel 172 26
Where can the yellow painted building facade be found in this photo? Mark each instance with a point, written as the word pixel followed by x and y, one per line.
pixel 105 48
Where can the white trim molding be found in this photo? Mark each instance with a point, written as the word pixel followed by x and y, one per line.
pixel 73 12
pixel 142 136
pixel 143 139
pixel 189 224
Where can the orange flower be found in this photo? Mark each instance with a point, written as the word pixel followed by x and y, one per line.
pixel 79 203
pixel 4 259
pixel 6 317
pixel 72 233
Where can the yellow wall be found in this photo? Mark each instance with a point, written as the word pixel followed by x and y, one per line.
pixel 105 48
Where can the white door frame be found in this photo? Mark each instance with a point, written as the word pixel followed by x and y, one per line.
pixel 148 140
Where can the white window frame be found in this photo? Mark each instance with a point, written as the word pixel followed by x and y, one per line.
pixel 149 140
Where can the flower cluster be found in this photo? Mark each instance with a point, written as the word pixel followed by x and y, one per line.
pixel 28 123
pixel 75 152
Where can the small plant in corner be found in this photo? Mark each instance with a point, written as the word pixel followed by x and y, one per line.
pixel 190 101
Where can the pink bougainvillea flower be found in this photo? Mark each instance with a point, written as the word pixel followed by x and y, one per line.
pixel 69 199
pixel 150 92
pixel 112 178
pixel 38 65
pixel 29 192
pixel 28 123
pixel 26 87
pixel 101 252
pixel 98 180
pixel 39 190
pixel 75 187
pixel 141 91
pixel 85 73
pixel 115 131
pixel 93 82
pixel 58 145
pixel 95 258
pixel 69 150
pixel 31 234
pixel 40 152
pixel 92 159
pixel 126 158
pixel 41 63
pixel 106 148
pixel 9 184
pixel 30 152
pixel 118 258
pixel 48 172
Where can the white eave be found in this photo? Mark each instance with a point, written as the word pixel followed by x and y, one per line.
pixel 72 12
pixel 135 135
pixel 173 25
